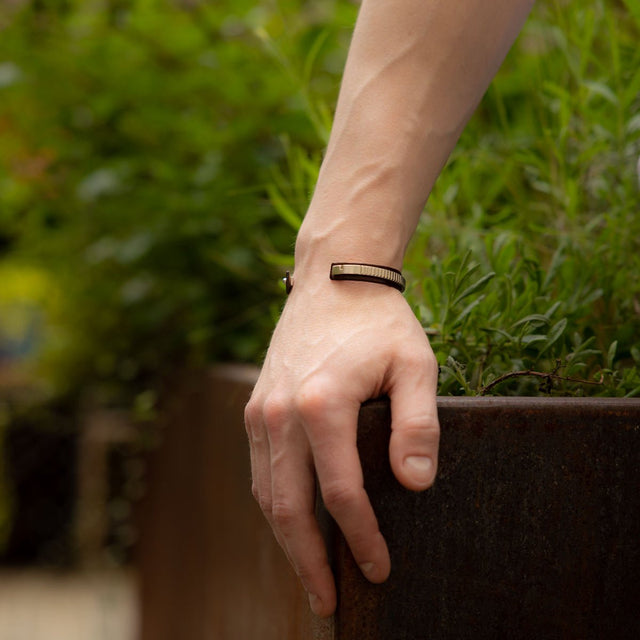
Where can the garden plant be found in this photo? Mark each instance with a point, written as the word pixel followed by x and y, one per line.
pixel 525 268
pixel 157 157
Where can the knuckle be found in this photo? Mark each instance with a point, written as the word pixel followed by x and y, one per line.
pixel 251 415
pixel 266 506
pixel 422 360
pixel 431 362
pixel 426 424
pixel 309 570
pixel 305 572
pixel 432 368
pixel 338 497
pixel 275 411
pixel 262 498
pixel 285 516
pixel 314 398
pixel 360 541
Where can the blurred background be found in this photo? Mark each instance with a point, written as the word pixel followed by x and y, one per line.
pixel 137 140
pixel 156 157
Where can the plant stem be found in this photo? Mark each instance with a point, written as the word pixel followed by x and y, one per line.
pixel 537 374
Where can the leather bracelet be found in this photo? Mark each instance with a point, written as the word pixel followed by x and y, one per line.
pixel 360 272
pixel 368 273
pixel 288 282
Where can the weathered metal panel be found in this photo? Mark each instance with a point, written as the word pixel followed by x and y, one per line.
pixel 210 566
pixel 532 529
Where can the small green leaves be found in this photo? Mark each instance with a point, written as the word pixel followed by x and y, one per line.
pixel 611 354
pixel 515 332
pixel 283 208
pixel 554 334
pixel 477 286
pixel 529 253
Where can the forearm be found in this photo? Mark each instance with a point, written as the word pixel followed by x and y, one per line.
pixel 415 73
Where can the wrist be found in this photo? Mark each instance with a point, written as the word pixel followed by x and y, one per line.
pixel 320 245
pixel 316 265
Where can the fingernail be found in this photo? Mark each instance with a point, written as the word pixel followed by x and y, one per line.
pixel 366 567
pixel 315 603
pixel 419 468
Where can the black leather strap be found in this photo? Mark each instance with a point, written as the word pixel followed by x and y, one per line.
pixel 359 272
pixel 368 273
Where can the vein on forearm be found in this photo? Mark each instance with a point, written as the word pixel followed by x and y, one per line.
pixel 415 73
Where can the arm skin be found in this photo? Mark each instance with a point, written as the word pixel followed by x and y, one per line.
pixel 415 73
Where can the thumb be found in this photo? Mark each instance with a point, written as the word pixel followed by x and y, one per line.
pixel 415 430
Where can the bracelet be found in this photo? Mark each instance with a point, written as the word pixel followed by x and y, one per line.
pixel 359 272
pixel 288 282
pixel 368 273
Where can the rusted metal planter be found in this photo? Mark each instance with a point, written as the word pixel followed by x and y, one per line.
pixel 210 568
pixel 532 529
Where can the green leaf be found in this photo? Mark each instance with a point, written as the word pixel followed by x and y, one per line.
pixel 500 332
pixel 602 90
pixel 464 272
pixel 461 317
pixel 312 56
pixel 475 287
pixel 611 354
pixel 554 335
pixel 534 318
pixel 633 7
pixel 282 207
pixel 556 262
pixel 552 309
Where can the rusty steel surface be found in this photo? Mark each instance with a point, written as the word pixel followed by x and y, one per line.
pixel 532 530
pixel 210 566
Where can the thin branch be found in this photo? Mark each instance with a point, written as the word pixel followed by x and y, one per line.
pixel 537 374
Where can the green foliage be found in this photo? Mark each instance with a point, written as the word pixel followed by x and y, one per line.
pixel 528 255
pixel 525 268
pixel 503 324
pixel 156 158
pixel 136 140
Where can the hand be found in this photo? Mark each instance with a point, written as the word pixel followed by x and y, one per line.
pixel 336 346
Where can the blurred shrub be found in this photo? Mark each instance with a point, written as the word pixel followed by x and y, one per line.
pixel 157 156
pixel 136 137
pixel 141 138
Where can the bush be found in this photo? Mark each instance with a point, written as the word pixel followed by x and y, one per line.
pixel 137 137
pixel 141 139
pixel 525 268
pixel 543 190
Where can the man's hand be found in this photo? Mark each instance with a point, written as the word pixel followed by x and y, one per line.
pixel 336 346
pixel 414 74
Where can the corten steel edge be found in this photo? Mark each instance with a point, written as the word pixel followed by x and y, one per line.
pixel 210 568
pixel 532 529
